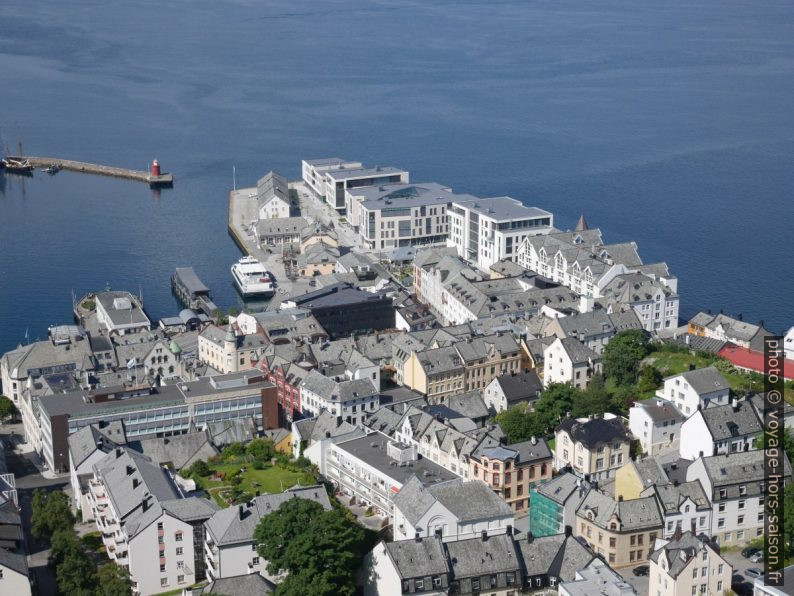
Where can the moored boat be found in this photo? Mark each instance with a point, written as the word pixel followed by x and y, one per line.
pixel 252 279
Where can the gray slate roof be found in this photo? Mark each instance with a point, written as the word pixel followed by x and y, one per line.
pixel 468 501
pixel 634 515
pixel 594 432
pixel 17 562
pixel 85 441
pixel 239 585
pixel 520 386
pixel 672 495
pixel 679 553
pixel 179 450
pixel 725 422
pixel 469 404
pixel 558 556
pixel 235 525
pixel 418 558
pixel 705 380
pixel 476 557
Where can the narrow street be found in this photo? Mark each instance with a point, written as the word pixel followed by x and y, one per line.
pixel 28 479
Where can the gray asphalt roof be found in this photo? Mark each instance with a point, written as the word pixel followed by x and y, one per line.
pixel 660 410
pixel 371 449
pixel 179 450
pixel 469 404
pixel 503 208
pixel 123 316
pixel 520 386
pixel 559 488
pixel 345 174
pixel 578 352
pixel 418 558
pixel 236 524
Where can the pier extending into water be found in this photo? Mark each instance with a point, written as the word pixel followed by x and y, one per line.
pixel 151 178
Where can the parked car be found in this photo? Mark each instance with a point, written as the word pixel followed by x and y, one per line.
pixel 742 588
pixel 750 551
pixel 642 570
pixel 754 572
pixel 756 557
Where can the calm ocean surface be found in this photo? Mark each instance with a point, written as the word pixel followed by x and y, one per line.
pixel 669 123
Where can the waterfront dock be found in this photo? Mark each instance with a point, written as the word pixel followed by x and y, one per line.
pixel 152 178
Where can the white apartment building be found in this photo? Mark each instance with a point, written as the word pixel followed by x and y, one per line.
pixel 313 171
pixel 14 573
pixel 337 181
pixel 455 510
pixel 351 399
pixel 656 423
pixel 146 524
pixel 396 215
pixel 736 486
pixel 485 231
pixel 229 549
pixel 695 389
pixel 581 261
pixel 374 468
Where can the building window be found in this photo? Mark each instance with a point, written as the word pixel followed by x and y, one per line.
pixel 178 536
pixel 163 581
pixel 255 561
pixel 179 550
pixel 162 567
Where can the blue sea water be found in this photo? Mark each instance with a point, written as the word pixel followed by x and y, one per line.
pixel 668 123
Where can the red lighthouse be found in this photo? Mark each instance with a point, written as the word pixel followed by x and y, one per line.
pixel 155 169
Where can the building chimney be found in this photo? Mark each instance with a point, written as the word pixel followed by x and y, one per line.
pixel 534 440
pixel 530 537
pixel 240 512
pixel 417 537
pixel 509 530
pixel 484 536
pixel 568 531
pixel 620 498
pixel 692 366
pixel 735 404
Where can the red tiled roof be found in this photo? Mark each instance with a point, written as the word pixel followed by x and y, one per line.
pixel 752 359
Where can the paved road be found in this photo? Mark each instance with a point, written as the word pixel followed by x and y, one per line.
pixel 28 479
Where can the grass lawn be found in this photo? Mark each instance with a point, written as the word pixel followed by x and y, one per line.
pixel 270 480
pixel 673 363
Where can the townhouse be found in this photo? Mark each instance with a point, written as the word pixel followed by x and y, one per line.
pixel 685 506
pixel 570 361
pixel 736 486
pixel 593 447
pixel 553 504
pixel 622 532
pixel 656 424
pixel 696 389
pixel 485 231
pixel 512 470
pixel 453 510
pixel 351 399
pixel 511 389
pixel 501 565
pixel 720 429
pixel 724 328
pixel 688 564
pixel 229 548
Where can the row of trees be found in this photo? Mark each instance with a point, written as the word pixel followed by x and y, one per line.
pixel 320 550
pixel 72 559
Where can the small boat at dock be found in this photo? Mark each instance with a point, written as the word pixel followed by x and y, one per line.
pixel 17 166
pixel 51 169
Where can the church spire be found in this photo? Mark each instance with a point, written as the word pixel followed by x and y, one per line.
pixel 581 226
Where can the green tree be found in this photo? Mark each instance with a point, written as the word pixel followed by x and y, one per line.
pixel 623 354
pixel 76 574
pixel 199 468
pixel 51 513
pixel 519 424
pixel 233 450
pixel 593 400
pixel 113 580
pixel 649 380
pixel 554 404
pixel 321 548
pixel 7 408
pixel 64 543
pixel 260 449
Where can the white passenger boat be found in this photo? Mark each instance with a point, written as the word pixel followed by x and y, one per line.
pixel 252 279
